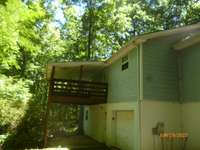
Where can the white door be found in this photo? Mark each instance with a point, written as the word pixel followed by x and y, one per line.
pixel 125 130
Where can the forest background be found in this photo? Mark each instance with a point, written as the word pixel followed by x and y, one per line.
pixel 34 33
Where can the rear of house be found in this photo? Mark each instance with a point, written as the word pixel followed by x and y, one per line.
pixel 159 86
pixel 152 86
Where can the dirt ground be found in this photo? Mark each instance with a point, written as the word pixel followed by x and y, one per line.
pixel 75 143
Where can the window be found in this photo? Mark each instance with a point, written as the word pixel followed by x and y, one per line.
pixel 124 62
pixel 125 66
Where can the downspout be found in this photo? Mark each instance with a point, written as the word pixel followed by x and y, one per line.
pixel 140 79
pixel 141 71
pixel 179 88
pixel 179 77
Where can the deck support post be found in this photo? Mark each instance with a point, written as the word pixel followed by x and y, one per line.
pixel 81 113
pixel 46 122
pixel 45 132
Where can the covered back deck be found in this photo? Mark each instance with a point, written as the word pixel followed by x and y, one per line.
pixel 78 83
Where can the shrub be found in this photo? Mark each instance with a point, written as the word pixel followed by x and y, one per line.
pixel 14 95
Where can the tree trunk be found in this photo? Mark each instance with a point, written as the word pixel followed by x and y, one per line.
pixel 90 29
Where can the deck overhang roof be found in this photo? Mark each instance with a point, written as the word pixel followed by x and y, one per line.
pixel 74 69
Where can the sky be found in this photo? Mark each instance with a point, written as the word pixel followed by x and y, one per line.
pixel 59 15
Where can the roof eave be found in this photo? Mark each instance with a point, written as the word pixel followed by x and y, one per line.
pixel 142 38
pixel 130 46
pixel 125 50
pixel 77 64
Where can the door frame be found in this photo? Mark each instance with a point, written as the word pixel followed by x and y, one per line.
pixel 114 124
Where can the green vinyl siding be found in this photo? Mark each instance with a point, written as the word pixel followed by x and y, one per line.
pixel 160 69
pixel 123 85
pixel 190 70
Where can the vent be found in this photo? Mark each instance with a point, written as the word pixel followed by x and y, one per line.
pixel 124 62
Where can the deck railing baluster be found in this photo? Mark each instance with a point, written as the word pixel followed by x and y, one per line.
pixel 79 89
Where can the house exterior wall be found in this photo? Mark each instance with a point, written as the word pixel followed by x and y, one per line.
pixel 123 85
pixel 160 101
pixel 101 123
pixel 160 69
pixel 191 124
pixel 95 122
pixel 190 72
pixel 123 95
pixel 161 92
pixel 154 111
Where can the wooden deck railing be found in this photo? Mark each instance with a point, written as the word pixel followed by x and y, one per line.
pixel 82 89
